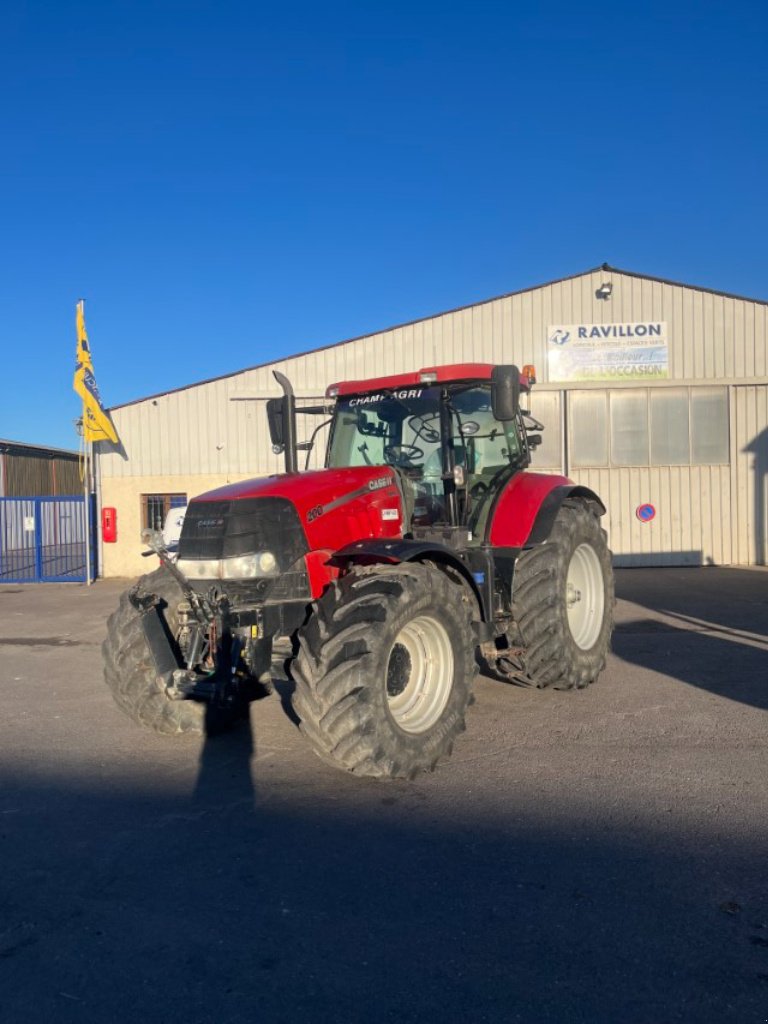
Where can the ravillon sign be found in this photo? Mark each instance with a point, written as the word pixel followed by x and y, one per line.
pixel 625 351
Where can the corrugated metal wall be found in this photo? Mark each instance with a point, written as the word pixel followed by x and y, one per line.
pixel 711 338
pixel 749 475
pixel 28 476
pixel 692 523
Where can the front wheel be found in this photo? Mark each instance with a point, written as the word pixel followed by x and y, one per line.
pixel 130 674
pixel 562 602
pixel 385 669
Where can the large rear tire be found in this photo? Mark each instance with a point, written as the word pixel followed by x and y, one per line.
pixel 130 673
pixel 385 669
pixel 562 602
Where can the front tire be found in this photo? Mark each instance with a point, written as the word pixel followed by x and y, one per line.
pixel 562 602
pixel 385 669
pixel 130 673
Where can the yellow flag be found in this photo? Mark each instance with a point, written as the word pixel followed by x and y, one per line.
pixel 97 426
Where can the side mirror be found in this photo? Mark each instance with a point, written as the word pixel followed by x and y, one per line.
pixel 505 392
pixel 275 420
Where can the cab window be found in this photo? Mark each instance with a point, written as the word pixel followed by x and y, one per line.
pixel 481 443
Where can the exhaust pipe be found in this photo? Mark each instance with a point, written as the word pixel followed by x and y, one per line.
pixel 288 410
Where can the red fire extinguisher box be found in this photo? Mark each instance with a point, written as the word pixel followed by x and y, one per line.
pixel 109 525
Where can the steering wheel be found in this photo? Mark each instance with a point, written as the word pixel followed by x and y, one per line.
pixel 422 431
pixel 402 454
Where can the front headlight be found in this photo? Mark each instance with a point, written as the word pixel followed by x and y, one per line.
pixel 240 567
pixel 267 563
pixel 244 567
pixel 249 567
pixel 193 569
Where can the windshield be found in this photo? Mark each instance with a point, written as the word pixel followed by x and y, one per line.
pixel 402 428
pixel 397 428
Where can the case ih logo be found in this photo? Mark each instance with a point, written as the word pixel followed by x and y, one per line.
pixel 209 524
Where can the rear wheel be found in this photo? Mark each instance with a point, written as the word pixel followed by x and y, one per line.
pixel 562 602
pixel 385 669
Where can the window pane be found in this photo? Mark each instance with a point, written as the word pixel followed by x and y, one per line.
pixel 629 428
pixel 155 508
pixel 669 427
pixel 588 428
pixel 477 439
pixel 545 406
pixel 154 511
pixel 709 426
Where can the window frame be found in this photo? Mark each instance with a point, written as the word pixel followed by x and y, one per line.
pixel 171 499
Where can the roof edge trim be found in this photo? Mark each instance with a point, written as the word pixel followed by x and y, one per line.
pixel 26 448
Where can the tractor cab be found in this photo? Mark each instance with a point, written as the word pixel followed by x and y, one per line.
pixel 454 435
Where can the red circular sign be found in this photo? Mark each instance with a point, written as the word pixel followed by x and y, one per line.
pixel 645 513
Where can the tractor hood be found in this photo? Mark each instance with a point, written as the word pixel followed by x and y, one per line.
pixel 334 507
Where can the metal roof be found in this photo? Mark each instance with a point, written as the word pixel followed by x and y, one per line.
pixel 39 450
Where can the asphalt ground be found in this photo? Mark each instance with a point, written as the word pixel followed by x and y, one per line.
pixel 591 857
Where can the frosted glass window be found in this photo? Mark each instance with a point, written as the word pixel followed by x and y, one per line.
pixel 669 427
pixel 545 406
pixel 629 428
pixel 588 428
pixel 709 426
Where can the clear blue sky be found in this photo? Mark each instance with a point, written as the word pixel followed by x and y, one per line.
pixel 227 182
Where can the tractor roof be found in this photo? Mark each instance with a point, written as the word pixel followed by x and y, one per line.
pixel 427 375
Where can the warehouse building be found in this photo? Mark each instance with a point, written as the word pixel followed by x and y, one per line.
pixel 30 470
pixel 654 393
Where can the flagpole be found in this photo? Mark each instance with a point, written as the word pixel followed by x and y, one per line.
pixel 87 486
pixel 96 425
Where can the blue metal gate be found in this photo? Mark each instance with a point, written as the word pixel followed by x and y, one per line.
pixel 42 540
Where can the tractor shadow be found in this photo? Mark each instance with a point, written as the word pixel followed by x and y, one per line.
pixel 705 627
pixel 282 681
pixel 284 688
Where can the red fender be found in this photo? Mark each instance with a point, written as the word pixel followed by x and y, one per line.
pixel 320 570
pixel 521 501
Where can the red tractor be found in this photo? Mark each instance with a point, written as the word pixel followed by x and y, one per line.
pixel 423 547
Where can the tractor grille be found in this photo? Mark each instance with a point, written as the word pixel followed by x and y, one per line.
pixel 225 529
pixel 291 586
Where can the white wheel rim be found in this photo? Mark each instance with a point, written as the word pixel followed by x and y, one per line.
pixel 419 674
pixel 585 596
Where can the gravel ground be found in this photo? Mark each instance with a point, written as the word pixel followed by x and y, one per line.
pixel 593 857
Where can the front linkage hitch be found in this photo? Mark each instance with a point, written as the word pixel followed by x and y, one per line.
pixel 205 638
